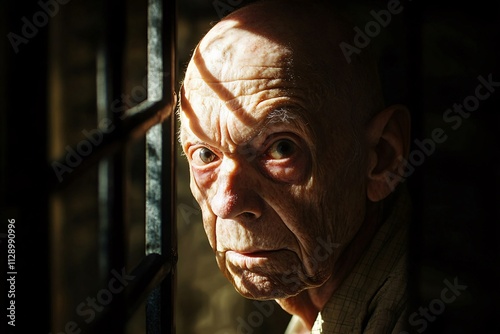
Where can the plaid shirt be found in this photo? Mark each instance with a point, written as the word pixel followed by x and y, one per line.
pixel 373 298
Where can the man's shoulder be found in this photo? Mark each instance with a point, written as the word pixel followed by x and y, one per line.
pixel 374 298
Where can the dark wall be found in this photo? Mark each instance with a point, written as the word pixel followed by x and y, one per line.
pixel 438 57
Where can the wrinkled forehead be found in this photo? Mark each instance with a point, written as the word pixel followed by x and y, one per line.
pixel 230 53
pixel 253 56
pixel 235 69
pixel 230 46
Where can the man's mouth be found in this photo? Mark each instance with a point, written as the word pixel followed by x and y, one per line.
pixel 254 258
pixel 259 253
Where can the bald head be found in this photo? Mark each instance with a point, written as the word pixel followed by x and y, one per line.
pixel 304 37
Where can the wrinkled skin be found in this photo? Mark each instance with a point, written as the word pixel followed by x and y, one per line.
pixel 281 179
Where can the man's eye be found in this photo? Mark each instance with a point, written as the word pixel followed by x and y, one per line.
pixel 281 149
pixel 203 156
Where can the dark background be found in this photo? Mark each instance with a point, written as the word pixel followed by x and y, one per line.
pixel 432 56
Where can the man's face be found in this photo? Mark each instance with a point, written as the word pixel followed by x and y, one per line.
pixel 279 195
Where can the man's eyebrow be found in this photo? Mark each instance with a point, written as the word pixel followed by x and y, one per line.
pixel 285 115
pixel 280 115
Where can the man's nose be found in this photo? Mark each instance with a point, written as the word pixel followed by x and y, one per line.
pixel 236 195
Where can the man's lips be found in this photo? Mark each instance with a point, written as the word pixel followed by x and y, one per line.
pixel 254 253
pixel 248 259
pixel 257 253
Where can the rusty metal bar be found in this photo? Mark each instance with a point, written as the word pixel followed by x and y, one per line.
pixel 161 230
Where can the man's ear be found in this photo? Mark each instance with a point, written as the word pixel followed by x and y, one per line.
pixel 388 136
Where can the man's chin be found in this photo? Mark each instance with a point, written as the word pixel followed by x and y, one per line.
pixel 265 275
pixel 257 286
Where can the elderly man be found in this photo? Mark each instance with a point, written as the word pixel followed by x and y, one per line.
pixel 290 148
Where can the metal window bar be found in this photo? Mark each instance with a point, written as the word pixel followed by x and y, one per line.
pixel 155 276
pixel 159 105
pixel 161 232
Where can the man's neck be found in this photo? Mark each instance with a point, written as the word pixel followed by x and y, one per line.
pixel 308 303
